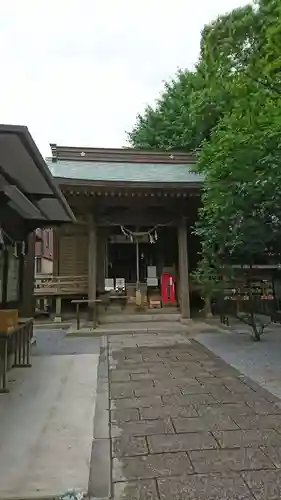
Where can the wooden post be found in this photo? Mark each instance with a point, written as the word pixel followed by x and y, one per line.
pixel 92 260
pixel 137 266
pixel 57 318
pixel 101 258
pixel 183 270
pixel 27 305
pixel 106 257
pixel 5 276
pixel 4 366
pixel 56 236
pixel 77 316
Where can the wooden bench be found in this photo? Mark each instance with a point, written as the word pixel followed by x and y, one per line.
pixel 120 298
pixel 107 298
pixel 15 343
pixel 276 316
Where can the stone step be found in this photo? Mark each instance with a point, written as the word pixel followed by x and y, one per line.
pixel 144 326
pixel 138 318
pixel 128 328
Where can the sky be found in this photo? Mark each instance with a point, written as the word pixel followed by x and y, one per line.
pixel 77 72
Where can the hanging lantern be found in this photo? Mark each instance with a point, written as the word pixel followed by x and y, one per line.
pixel 2 243
pixel 15 253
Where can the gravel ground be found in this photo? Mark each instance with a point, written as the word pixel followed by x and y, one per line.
pixel 259 360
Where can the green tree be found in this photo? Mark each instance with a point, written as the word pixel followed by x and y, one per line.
pixel 230 43
pixel 241 163
pixel 193 103
pixel 240 221
pixel 246 41
pixel 207 276
pixel 270 38
pixel 228 110
pixel 168 125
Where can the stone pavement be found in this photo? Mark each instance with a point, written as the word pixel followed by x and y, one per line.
pixel 183 425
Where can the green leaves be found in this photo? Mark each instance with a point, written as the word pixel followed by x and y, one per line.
pixel 168 125
pixel 229 110
pixel 228 44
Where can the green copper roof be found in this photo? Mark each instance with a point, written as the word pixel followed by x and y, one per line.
pixel 130 172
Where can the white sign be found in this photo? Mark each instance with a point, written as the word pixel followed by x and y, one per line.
pixel 152 281
pixel 108 284
pixel 151 271
pixel 120 283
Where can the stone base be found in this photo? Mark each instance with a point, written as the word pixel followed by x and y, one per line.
pixel 186 321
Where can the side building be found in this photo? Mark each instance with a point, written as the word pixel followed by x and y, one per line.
pixel 135 212
pixel 29 199
pixel 44 252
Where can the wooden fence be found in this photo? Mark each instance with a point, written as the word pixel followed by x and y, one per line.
pixel 60 285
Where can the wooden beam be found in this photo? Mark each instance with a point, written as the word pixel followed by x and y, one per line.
pixel 92 256
pixel 27 305
pixel 133 220
pixel 56 238
pixel 183 270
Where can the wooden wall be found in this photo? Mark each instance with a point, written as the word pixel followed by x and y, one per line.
pixel 72 251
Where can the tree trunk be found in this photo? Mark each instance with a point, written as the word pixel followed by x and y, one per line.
pixel 207 308
pixel 256 334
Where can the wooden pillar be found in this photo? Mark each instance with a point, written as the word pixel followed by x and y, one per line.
pixel 58 318
pixel 106 256
pixel 56 236
pixel 183 270
pixel 92 259
pixel 101 258
pixel 27 306
pixel 5 277
pixel 21 277
pixel 56 272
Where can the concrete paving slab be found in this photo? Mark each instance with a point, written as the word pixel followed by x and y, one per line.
pixel 142 490
pixel 265 485
pixel 46 427
pixel 195 488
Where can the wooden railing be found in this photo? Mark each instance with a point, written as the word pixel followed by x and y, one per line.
pixel 15 349
pixel 61 285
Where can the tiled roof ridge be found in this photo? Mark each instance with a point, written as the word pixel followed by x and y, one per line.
pixel 120 155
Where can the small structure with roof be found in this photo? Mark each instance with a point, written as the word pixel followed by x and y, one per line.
pixel 135 211
pixel 29 198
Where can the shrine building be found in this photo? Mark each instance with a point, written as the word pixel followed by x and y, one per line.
pixel 135 213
